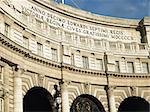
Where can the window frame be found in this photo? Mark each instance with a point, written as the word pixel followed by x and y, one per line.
pixel 85 62
pixel 54 54
pixel 132 64
pixel 147 67
pixel 39 49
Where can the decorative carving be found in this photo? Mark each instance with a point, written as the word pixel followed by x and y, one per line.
pixel 86 87
pixel 133 90
pixel 40 79
pixel 18 70
pixel 85 105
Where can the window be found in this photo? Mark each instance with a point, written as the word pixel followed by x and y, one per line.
pixel 39 49
pixel 99 64
pixel 7 28
pixel 54 54
pixel 117 67
pixel 38 23
pixel 25 42
pixel 85 62
pixel 127 46
pixel 1 105
pixel 145 67
pixel 83 41
pixel 25 17
pixel 72 59
pixel 112 45
pixel 68 37
pixel 1 72
pixel 97 43
pixel 75 39
pixel 130 67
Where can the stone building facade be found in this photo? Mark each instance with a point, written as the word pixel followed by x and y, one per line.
pixel 54 58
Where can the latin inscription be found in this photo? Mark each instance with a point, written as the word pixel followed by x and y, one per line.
pixel 74 26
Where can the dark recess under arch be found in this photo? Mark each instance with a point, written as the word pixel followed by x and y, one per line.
pixel 134 104
pixel 86 103
pixel 38 99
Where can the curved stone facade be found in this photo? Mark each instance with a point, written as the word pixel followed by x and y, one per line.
pixel 71 54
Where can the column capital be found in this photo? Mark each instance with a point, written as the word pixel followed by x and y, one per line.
pixel 111 88
pixel 18 70
pixel 65 83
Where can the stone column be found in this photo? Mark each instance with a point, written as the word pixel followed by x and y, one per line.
pixel 6 88
pixel 111 99
pixel 18 98
pixel 64 97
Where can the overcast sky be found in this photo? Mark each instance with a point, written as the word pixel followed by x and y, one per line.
pixel 117 8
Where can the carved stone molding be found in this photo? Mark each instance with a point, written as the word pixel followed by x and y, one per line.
pixel 18 70
pixel 133 91
pixel 86 87
pixel 40 79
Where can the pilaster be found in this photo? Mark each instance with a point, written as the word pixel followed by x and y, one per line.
pixel 111 99
pixel 64 95
pixel 18 98
pixel 6 88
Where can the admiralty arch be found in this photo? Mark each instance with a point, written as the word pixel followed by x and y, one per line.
pixel 55 58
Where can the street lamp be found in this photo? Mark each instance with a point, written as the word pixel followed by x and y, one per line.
pixel 57 98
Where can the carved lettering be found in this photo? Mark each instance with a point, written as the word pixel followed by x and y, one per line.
pixel 74 26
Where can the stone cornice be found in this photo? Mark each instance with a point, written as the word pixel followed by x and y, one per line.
pixel 74 69
pixel 4 41
pixel 128 75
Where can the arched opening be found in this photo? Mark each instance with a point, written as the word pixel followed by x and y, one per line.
pixel 134 104
pixel 38 99
pixel 86 103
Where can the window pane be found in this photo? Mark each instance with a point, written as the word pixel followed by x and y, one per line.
pixel 38 24
pixel 54 54
pixel 99 64
pixel 130 67
pixel 85 62
pixel 25 42
pixel 39 49
pixel 145 67
pixel 117 67
pixel 7 28
pixel 72 59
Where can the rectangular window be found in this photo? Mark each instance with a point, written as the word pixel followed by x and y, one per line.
pixel 99 64
pixel 72 59
pixel 117 67
pixel 7 28
pixel 54 54
pixel 127 46
pixel 112 45
pixel 25 42
pixel 1 73
pixel 97 43
pixel 145 67
pixel 1 105
pixel 39 49
pixel 130 67
pixel 68 37
pixel 38 23
pixel 85 62
pixel 83 41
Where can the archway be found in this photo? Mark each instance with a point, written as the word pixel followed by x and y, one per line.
pixel 134 104
pixel 86 103
pixel 38 99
